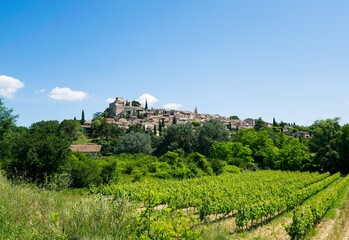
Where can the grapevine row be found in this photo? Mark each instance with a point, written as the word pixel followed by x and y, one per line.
pixel 309 214
pixel 251 212
pixel 230 200
pixel 216 195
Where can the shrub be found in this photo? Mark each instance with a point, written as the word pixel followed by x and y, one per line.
pixel 231 169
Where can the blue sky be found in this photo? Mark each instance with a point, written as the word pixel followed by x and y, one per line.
pixel 282 59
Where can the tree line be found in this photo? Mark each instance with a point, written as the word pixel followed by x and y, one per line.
pixel 41 151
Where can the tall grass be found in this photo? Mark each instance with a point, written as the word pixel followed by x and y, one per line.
pixel 27 212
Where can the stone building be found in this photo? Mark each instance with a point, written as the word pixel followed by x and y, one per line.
pixel 126 113
pixel 121 108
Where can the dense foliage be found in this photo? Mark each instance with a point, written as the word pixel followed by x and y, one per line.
pixel 41 152
pixel 37 152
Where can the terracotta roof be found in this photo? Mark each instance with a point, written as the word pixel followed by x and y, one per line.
pixel 90 148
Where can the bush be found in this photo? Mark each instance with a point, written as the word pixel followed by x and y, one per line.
pixel 134 142
pixel 59 181
pixel 198 164
pixel 86 171
pixel 217 166
pixel 231 169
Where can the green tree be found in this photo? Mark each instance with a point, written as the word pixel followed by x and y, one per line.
pixel 134 143
pixel 275 124
pixel 174 120
pixel 242 152
pixel 211 131
pixel 96 124
pixel 71 128
pixel 175 167
pixel 234 117
pixel 8 145
pixel 163 122
pixel 229 126
pixel 221 150
pixel 217 166
pixel 82 117
pixel 104 114
pixel 342 143
pixel 135 103
pixel 259 124
pixel 323 133
pixel 198 164
pixel 45 127
pixel 39 152
pixel 323 144
pixel 160 128
pixel 7 119
pixel 104 130
pixel 181 136
pixel 84 171
pixel 155 130
pixel 235 153
pixel 146 104
pixel 293 155
pixel 136 128
pixel 264 151
pixel 172 158
pixel 196 123
pixel 7 122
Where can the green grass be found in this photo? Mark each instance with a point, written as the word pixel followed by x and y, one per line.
pixel 332 212
pixel 27 212
pixel 258 238
pixel 216 232
pixel 83 140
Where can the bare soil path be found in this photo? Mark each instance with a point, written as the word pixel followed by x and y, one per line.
pixel 340 225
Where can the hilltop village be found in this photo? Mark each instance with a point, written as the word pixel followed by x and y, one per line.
pixel 125 114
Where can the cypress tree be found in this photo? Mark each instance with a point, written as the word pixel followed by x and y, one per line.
pixel 82 117
pixel 160 127
pixel 174 120
pixel 146 104
pixel 163 122
pixel 274 123
pixel 155 129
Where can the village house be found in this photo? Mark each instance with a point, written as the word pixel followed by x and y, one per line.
pixel 125 114
pixel 86 148
pixel 87 128
pixel 302 134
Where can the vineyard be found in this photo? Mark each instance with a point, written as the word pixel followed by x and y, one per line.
pixel 250 199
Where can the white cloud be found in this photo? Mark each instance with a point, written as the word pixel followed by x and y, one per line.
pixel 67 94
pixel 150 99
pixel 173 106
pixel 9 86
pixel 110 100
